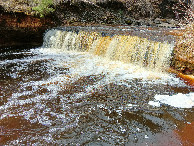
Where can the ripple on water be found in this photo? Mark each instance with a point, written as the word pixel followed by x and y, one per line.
pixel 79 99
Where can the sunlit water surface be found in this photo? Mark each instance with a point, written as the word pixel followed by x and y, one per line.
pixel 50 97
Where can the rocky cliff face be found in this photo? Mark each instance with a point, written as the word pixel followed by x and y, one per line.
pixel 20 21
pixel 124 12
pixel 184 51
pixel 117 12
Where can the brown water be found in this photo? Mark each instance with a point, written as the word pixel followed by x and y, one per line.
pixel 49 96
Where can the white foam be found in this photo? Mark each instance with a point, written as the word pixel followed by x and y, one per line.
pixel 85 64
pixel 154 103
pixel 179 100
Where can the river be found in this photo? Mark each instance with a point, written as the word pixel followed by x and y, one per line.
pixel 77 89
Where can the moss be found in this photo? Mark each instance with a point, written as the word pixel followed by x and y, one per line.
pixel 43 8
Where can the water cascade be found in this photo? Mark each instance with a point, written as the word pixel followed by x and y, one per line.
pixel 128 49
pixel 92 87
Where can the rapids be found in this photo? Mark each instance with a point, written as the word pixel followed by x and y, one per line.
pixel 87 88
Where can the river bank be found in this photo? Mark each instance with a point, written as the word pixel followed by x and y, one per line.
pixel 20 17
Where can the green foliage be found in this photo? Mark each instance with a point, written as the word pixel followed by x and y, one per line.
pixel 42 8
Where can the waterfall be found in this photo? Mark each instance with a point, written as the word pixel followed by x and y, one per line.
pixel 125 48
pixel 90 87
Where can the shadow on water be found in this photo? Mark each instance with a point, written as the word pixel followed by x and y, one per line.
pixel 16 52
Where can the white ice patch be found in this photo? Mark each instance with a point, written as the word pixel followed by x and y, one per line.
pixel 179 100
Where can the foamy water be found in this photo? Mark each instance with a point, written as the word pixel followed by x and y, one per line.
pixel 178 100
pixel 61 97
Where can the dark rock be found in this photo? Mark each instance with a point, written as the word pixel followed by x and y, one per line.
pixel 1 9
pixel 172 9
pixel 166 9
pixel 173 22
pixel 150 23
pixel 129 21
pixel 112 5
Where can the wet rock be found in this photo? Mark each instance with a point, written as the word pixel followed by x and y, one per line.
pixel 173 22
pixel 183 58
pixel 157 21
pixel 166 25
pixel 129 21
pixel 151 23
pixel 139 22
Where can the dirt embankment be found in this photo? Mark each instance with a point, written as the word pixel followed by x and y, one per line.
pixel 17 28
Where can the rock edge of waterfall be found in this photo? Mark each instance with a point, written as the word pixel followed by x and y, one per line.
pixel 20 24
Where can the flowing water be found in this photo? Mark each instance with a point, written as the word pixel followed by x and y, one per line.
pixel 88 88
